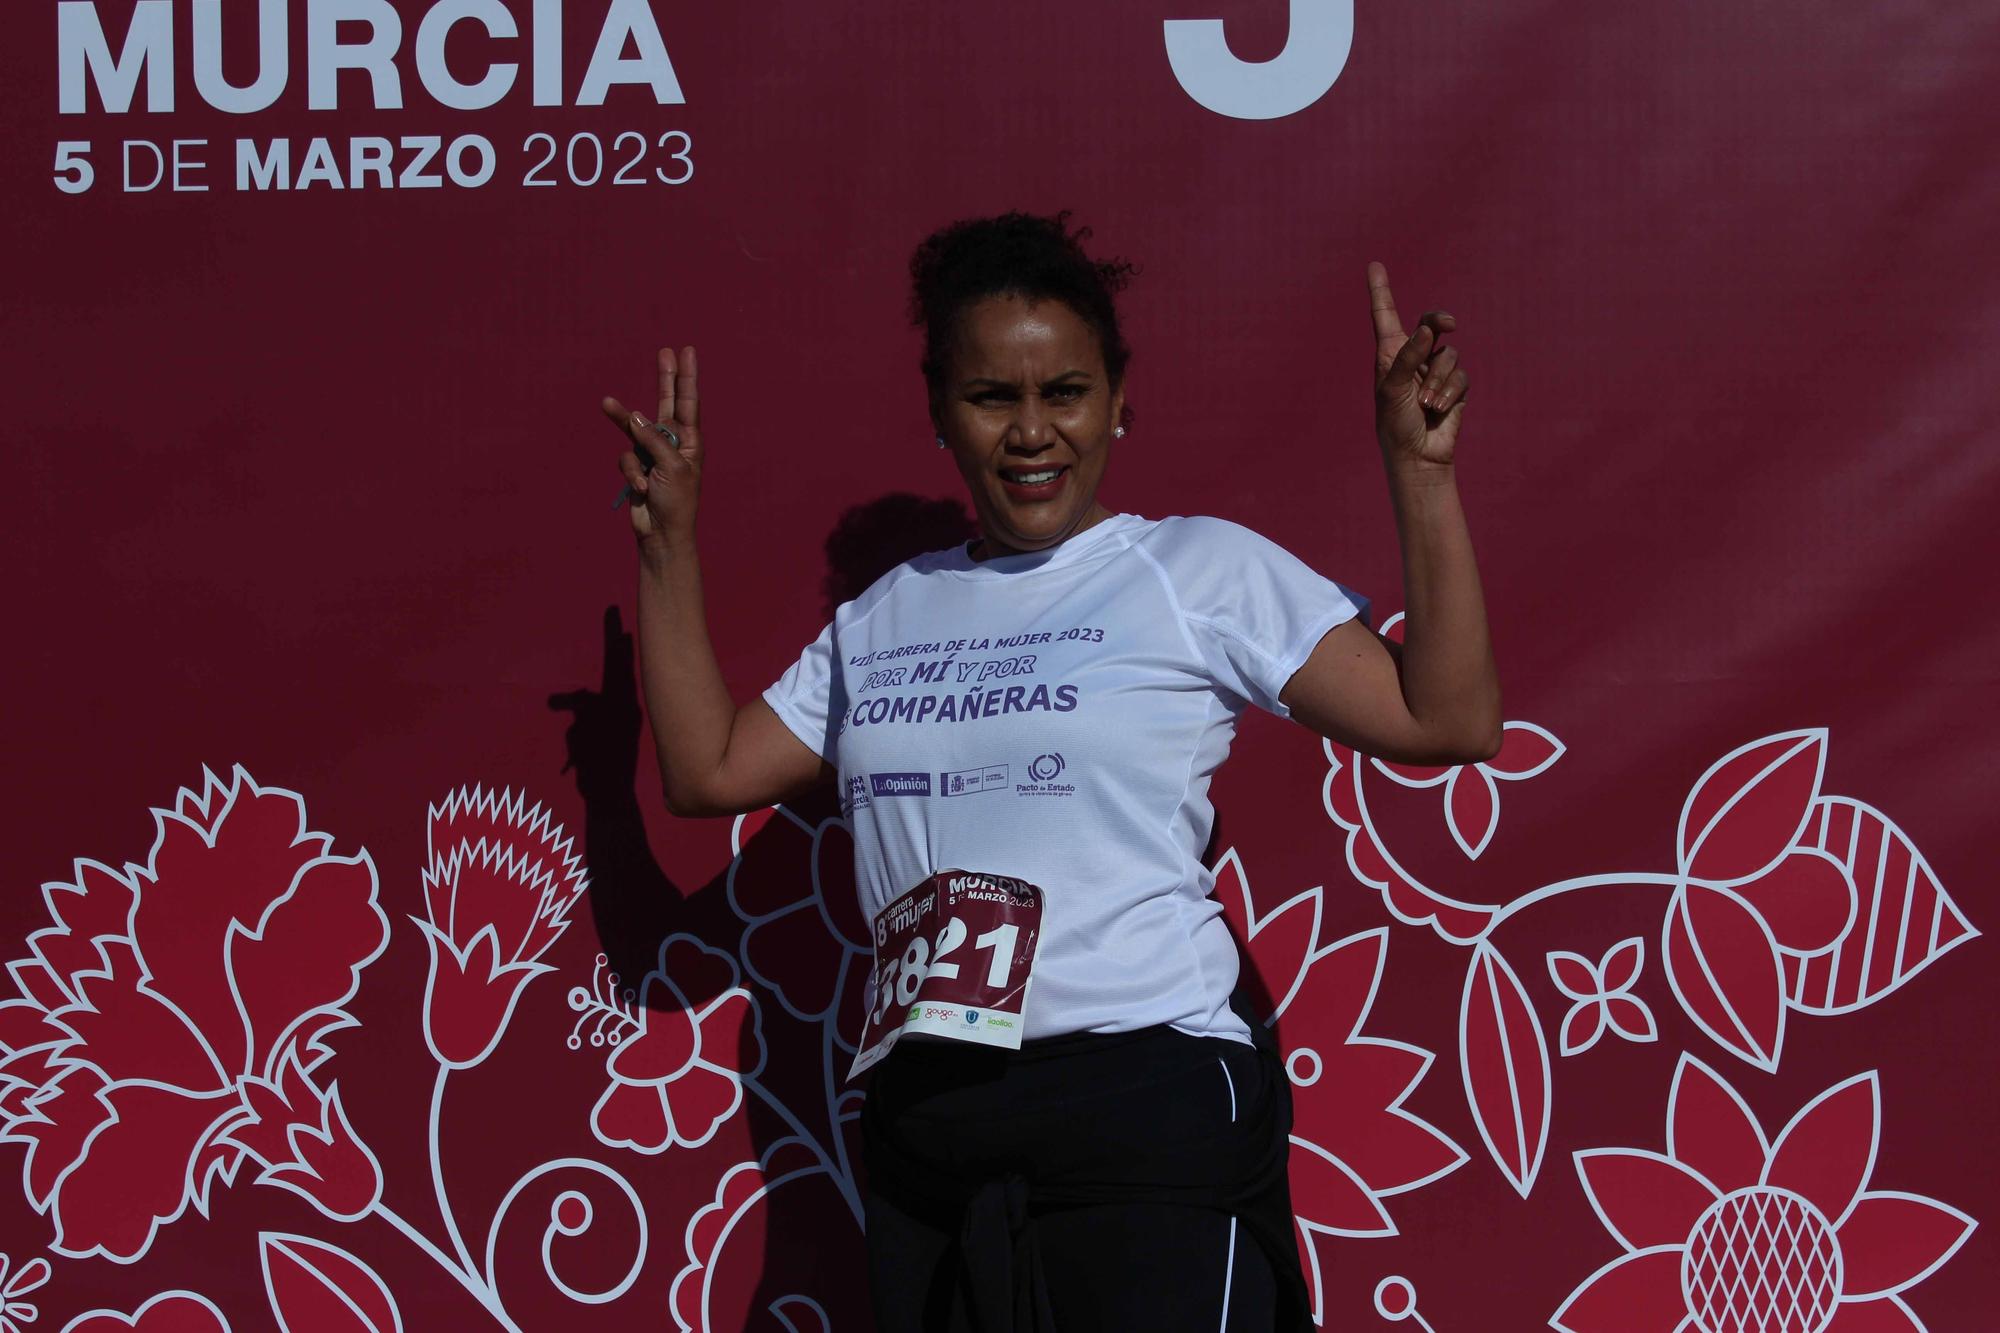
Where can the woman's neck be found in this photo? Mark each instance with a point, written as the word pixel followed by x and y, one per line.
pixel 984 547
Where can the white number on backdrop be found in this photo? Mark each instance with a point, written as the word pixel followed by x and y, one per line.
pixel 584 158
pixel 596 158
pixel 70 159
pixel 1316 47
pixel 638 154
pixel 683 155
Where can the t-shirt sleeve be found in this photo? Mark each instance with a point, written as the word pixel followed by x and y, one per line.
pixel 1254 610
pixel 803 697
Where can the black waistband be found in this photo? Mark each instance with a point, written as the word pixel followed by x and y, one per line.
pixel 1156 1041
pixel 926 1087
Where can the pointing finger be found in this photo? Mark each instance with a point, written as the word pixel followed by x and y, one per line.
pixel 1388 325
pixel 667 372
pixel 687 409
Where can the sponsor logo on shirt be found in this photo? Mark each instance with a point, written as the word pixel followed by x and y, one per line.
pixel 1044 769
pixel 899 784
pixel 992 777
pixel 855 796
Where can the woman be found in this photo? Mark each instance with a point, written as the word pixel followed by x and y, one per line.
pixel 1043 708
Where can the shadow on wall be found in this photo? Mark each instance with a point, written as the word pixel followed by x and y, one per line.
pixel 636 908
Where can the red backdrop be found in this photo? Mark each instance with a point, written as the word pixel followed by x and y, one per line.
pixel 1673 1018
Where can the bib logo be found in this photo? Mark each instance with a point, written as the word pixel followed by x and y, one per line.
pixel 1316 47
pixel 1046 767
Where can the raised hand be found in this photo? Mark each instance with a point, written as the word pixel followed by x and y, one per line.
pixel 1419 389
pixel 666 493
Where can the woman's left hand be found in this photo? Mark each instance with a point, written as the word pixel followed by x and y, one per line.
pixel 1419 389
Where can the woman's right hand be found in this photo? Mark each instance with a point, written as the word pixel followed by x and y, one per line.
pixel 665 496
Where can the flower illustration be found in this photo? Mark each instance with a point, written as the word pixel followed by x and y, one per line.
pixel 1728 1232
pixel 498 885
pixel 1603 997
pixel 1789 898
pixel 162 992
pixel 679 1058
pixel 716 1289
pixel 1345 796
pixel 14 1284
pixel 1353 1143
pixel 806 940
pixel 302 1139
pixel 166 1312
pixel 1359 1146
pixel 1471 791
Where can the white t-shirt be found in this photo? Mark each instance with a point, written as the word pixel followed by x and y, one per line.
pixel 1056 716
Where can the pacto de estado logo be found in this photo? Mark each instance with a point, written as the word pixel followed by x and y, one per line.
pixel 358 54
pixel 1043 770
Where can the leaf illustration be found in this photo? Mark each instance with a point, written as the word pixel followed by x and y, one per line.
pixel 1472 810
pixel 1748 808
pixel 1276 944
pixel 1723 966
pixel 1505 1062
pixel 318 1288
pixel 1525 751
pixel 1903 919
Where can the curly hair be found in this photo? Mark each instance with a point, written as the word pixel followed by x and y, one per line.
pixel 1020 254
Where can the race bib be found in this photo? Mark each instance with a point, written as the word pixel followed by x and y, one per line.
pixel 953 958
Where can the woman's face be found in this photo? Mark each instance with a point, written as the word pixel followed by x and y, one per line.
pixel 1027 411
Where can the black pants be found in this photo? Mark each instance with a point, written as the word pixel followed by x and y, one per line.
pixel 1071 1186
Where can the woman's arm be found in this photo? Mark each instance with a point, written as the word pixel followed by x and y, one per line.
pixel 715 758
pixel 1436 700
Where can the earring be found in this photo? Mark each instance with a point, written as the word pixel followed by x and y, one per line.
pixel 940 440
pixel 1117 432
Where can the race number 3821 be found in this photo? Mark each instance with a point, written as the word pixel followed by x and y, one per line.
pixel 953 959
